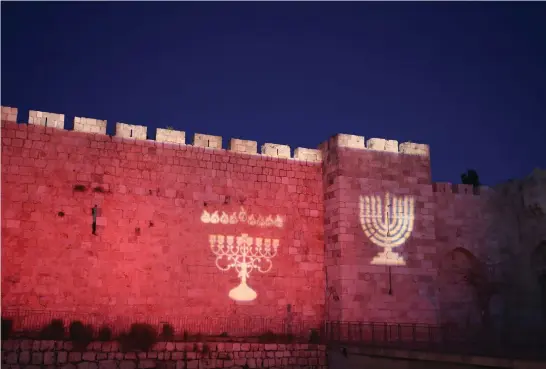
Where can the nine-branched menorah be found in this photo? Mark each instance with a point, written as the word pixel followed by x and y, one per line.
pixel 387 224
pixel 244 254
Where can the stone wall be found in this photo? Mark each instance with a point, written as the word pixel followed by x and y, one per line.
pixel 122 228
pixel 125 227
pixel 28 354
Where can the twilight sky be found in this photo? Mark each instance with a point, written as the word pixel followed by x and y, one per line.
pixel 467 78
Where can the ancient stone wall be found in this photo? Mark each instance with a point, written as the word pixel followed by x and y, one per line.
pixel 168 355
pixel 126 227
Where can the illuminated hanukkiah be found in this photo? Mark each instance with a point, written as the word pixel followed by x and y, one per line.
pixel 386 227
pixel 244 254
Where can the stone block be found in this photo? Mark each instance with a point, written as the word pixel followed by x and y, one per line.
pixel 350 141
pixel 276 150
pixel 381 144
pixel 9 114
pixel 414 149
pixel 44 119
pixel 124 130
pixel 308 154
pixel 208 141
pixel 170 136
pixel 243 146
pixel 89 125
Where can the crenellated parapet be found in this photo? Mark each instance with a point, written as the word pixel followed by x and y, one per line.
pixel 460 189
pixel 175 137
pixel 89 125
pixel 9 114
pixel 376 144
pixel 41 118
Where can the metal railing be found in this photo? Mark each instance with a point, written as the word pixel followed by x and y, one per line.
pixel 25 322
pixel 28 323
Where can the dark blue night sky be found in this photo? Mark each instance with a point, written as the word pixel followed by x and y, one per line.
pixel 467 78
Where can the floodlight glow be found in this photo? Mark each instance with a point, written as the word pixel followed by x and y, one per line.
pixel 387 225
pixel 242 217
pixel 244 254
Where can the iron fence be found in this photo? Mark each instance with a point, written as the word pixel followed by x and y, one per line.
pixel 27 323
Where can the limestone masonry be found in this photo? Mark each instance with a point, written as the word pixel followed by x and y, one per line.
pixel 164 355
pixel 124 227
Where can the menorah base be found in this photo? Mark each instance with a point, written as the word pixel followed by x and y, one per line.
pixel 242 293
pixel 390 258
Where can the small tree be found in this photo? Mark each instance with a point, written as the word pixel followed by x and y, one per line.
pixel 471 178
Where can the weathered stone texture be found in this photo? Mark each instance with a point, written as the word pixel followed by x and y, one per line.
pixel 154 207
pixel 216 355
pixel 208 141
pixel 243 146
pixel 276 150
pixel 151 253
pixel 41 118
pixel 125 130
pixel 170 136
pixel 89 125
pixel 9 114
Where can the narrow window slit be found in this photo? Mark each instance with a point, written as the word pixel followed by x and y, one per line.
pixel 94 225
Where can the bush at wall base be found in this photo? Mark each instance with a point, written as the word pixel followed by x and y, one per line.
pixel 53 331
pixel 141 337
pixel 81 335
pixel 7 325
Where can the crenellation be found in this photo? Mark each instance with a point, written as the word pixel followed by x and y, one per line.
pixel 41 118
pixel 463 189
pixel 442 187
pixel 243 146
pixel 132 131
pixel 207 141
pixel 170 136
pixel 381 144
pixel 313 155
pixel 350 141
pixel 412 148
pixel 89 125
pixel 276 150
pixel 459 189
pixel 9 114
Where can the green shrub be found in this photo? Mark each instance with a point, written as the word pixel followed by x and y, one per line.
pixel 7 326
pixel 267 337
pixel 105 334
pixel 80 335
pixel 141 337
pixel 168 332
pixel 314 337
pixel 53 331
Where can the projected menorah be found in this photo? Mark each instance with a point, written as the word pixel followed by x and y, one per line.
pixel 387 224
pixel 244 254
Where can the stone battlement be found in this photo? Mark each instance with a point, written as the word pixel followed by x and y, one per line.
pixel 174 137
pixel 459 189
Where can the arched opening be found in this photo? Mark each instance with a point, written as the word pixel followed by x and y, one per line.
pixel 459 269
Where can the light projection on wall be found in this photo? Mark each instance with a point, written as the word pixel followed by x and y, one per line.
pixel 242 217
pixel 244 254
pixel 388 223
